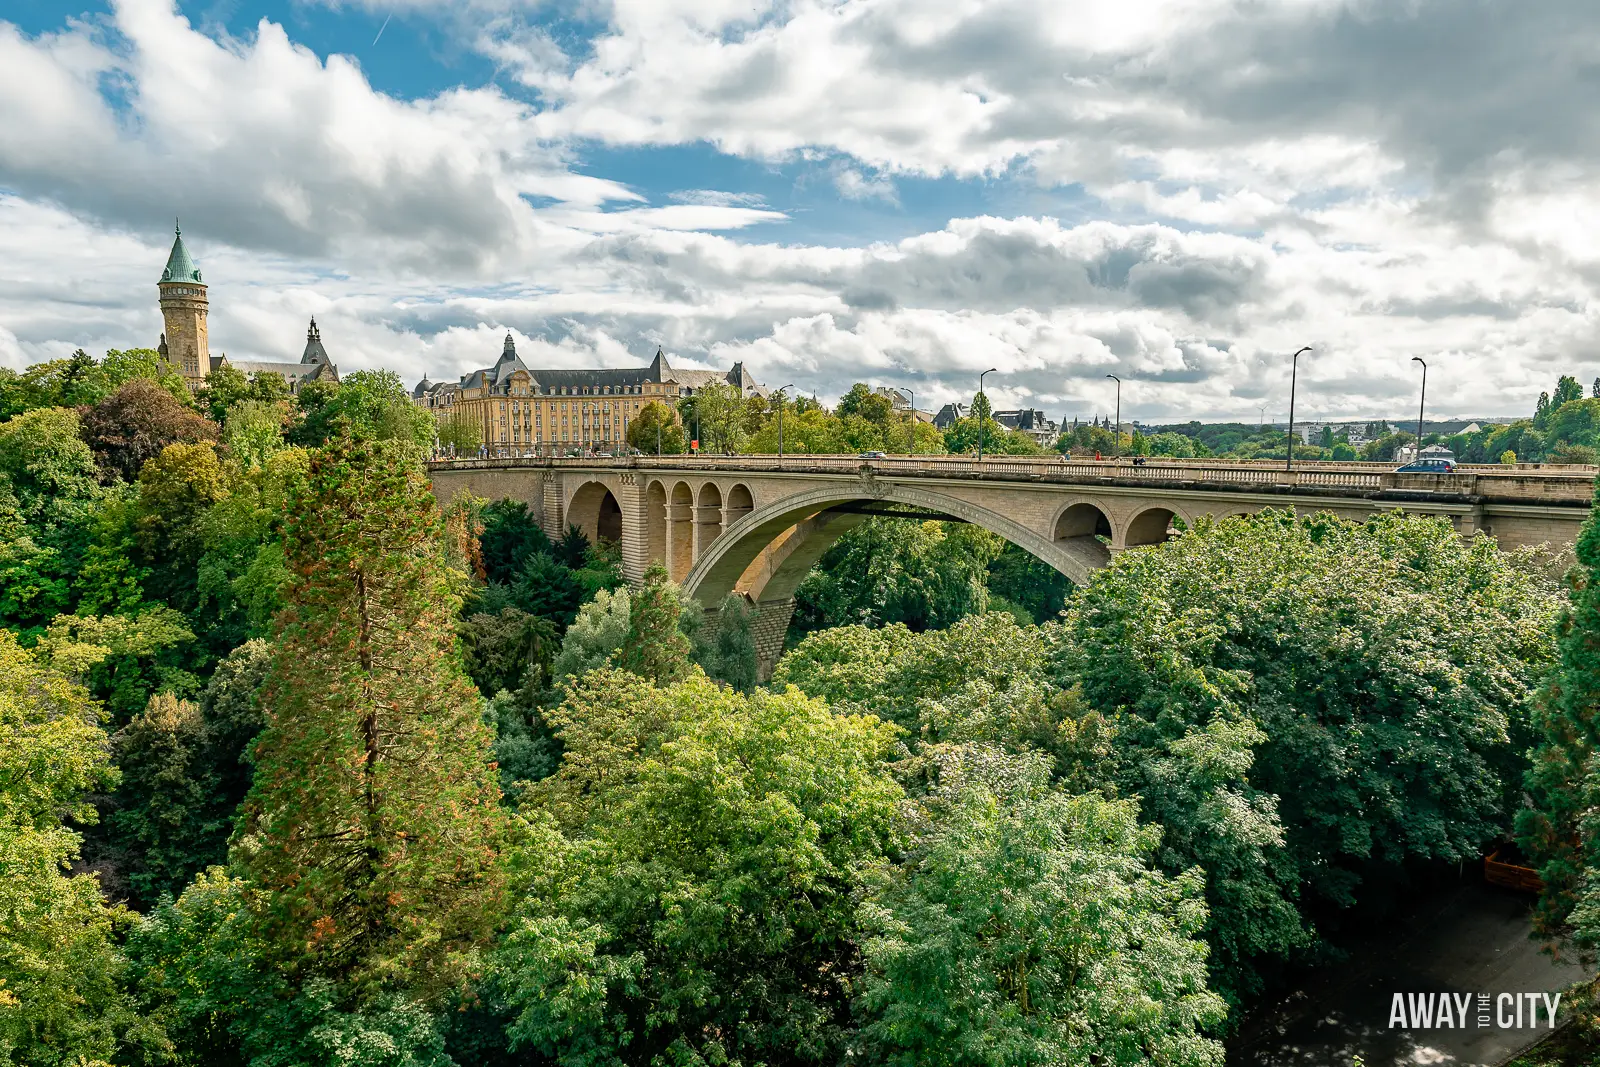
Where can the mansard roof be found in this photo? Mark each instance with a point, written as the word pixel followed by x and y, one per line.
pixel 497 378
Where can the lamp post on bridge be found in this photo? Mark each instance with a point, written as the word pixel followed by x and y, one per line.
pixel 779 394
pixel 991 370
pixel 1294 371
pixel 1420 402
pixel 911 427
pixel 1116 427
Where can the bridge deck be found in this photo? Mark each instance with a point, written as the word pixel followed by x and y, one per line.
pixel 1530 484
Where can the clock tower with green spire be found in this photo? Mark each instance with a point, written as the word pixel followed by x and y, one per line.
pixel 183 310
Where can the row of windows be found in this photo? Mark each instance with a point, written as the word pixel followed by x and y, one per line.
pixel 578 390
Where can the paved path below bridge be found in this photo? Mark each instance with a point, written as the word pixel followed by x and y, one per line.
pixel 1473 939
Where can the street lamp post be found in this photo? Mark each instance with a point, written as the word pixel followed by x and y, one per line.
pixel 1420 402
pixel 911 427
pixel 1288 464
pixel 991 370
pixel 1116 427
pixel 779 394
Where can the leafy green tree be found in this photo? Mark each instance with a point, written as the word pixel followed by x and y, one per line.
pixel 135 423
pixel 655 648
pixel 122 366
pixel 162 815
pixel 1567 389
pixel 253 430
pixel 123 658
pixel 59 969
pixel 525 750
pixel 1560 830
pixel 373 404
pixel 204 973
pixel 1024 579
pixel 962 436
pixel 599 631
pixel 224 387
pixel 71 382
pixel 715 411
pixel 373 823
pixel 177 490
pixel 732 656
pixel 550 589
pixel 461 433
pixel 1383 448
pixel 49 473
pixel 654 416
pixel 34 581
pixel 1025 927
pixel 1305 703
pixel 185 769
pixel 230 707
pixel 702 911
pixel 924 574
pixel 892 672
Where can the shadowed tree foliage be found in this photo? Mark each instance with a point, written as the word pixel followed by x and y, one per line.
pixel 136 422
pixel 507 651
pixel 510 535
pixel 373 824
pixel 732 656
pixel 1562 831
pixel 185 769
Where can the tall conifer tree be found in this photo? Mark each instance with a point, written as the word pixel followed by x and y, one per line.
pixel 373 824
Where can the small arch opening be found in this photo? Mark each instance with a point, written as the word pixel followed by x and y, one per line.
pixel 1082 520
pixel 1151 527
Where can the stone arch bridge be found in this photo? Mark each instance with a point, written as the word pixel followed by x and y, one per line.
pixel 755 525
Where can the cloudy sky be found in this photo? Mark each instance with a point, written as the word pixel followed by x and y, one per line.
pixel 906 192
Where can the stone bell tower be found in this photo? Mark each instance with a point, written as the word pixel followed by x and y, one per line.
pixel 183 310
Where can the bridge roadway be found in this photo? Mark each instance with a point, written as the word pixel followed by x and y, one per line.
pixel 755 524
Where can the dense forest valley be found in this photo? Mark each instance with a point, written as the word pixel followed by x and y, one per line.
pixel 299 768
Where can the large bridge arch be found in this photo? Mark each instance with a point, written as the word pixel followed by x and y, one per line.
pixel 717 571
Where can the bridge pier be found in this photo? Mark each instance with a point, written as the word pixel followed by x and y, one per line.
pixel 680 537
pixel 772 625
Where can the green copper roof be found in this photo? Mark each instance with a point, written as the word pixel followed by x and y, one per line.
pixel 180 268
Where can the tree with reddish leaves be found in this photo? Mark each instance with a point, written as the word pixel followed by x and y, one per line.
pixel 373 827
pixel 135 423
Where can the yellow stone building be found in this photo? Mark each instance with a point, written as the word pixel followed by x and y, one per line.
pixel 522 411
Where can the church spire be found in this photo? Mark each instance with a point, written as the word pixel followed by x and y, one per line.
pixel 314 352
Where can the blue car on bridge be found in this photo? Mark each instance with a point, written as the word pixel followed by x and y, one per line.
pixel 1428 466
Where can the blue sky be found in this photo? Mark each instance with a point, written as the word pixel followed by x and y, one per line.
pixel 898 191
